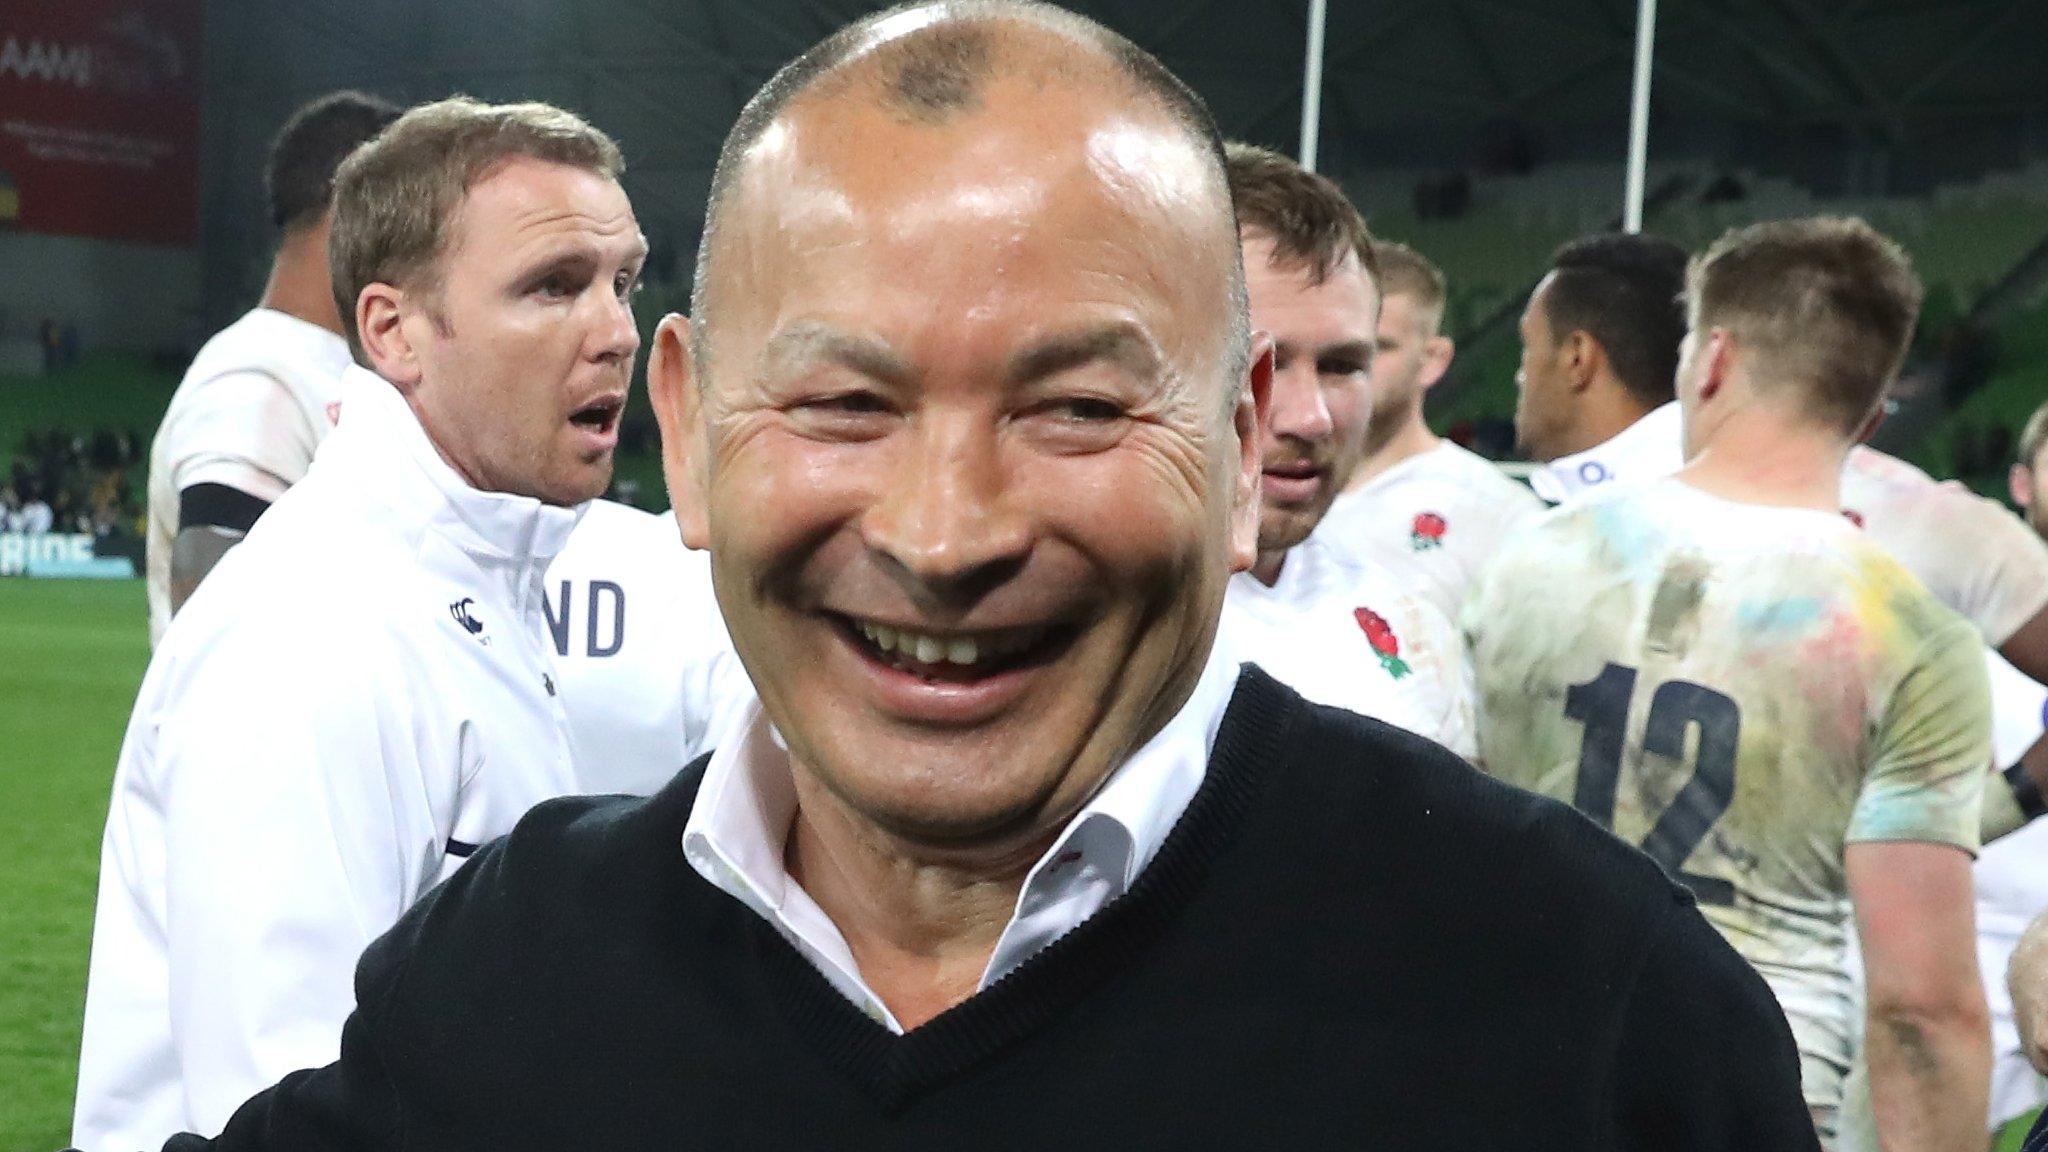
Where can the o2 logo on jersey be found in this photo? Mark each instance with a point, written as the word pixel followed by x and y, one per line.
pixel 604 618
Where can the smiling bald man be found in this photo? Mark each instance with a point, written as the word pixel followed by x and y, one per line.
pixel 1014 852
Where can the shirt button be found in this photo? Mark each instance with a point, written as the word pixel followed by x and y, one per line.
pixel 549 681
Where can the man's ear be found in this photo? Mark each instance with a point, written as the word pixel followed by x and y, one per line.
pixel 673 390
pixel 1717 360
pixel 1583 357
pixel 1254 409
pixel 1437 354
pixel 381 327
pixel 2019 480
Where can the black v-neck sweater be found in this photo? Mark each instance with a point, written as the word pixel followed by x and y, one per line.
pixel 1350 940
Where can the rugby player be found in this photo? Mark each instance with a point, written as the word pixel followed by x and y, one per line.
pixel 1324 618
pixel 1721 668
pixel 264 392
pixel 1423 508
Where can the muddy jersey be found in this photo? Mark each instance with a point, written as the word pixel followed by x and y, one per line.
pixel 1431 521
pixel 1741 690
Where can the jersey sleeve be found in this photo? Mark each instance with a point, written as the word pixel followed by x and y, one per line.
pixel 243 430
pixel 1439 654
pixel 298 825
pixel 1932 746
pixel 2003 581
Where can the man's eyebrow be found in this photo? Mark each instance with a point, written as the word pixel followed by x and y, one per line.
pixel 1123 344
pixel 1362 349
pixel 813 343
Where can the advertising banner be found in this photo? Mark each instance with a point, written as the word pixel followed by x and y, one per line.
pixel 64 556
pixel 99 118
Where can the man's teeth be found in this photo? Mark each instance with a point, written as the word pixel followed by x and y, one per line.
pixel 951 650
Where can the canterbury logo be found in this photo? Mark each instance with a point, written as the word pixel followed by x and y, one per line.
pixel 460 610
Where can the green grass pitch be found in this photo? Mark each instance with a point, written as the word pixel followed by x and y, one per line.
pixel 72 654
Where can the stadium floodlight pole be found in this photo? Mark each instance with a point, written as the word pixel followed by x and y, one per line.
pixel 1639 117
pixel 1312 84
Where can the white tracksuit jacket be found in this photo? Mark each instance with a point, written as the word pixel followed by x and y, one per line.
pixel 357 696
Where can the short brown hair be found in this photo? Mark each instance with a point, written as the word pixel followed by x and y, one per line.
pixel 396 196
pixel 1827 304
pixel 1309 219
pixel 1405 272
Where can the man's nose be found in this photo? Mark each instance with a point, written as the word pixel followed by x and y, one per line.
pixel 614 336
pixel 945 524
pixel 1297 410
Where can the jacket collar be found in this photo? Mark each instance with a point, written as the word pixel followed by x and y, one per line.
pixel 381 440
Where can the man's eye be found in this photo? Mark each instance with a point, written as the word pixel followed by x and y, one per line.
pixel 1087 410
pixel 1341 368
pixel 557 287
pixel 627 285
pixel 851 404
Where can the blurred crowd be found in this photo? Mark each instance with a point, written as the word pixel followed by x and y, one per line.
pixel 72 482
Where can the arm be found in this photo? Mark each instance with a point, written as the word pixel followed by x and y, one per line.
pixel 297 827
pixel 231 448
pixel 2027 647
pixel 1927 1037
pixel 1706 1061
pixel 350 1105
pixel 212 518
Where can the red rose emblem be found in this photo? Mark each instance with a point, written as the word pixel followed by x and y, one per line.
pixel 1385 644
pixel 1427 532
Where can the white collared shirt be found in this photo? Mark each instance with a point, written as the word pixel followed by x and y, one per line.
pixel 746 805
pixel 358 695
pixel 1649 449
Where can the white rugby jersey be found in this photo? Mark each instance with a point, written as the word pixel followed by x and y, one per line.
pixel 1972 553
pixel 356 698
pixel 1343 633
pixel 1649 449
pixel 1431 521
pixel 649 676
pixel 257 400
pixel 1742 690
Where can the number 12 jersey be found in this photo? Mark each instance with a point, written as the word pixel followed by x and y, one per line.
pixel 1741 690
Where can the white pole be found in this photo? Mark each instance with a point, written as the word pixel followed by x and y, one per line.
pixel 1312 84
pixel 1639 116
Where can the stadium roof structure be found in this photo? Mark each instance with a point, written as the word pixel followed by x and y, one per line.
pixel 1930 87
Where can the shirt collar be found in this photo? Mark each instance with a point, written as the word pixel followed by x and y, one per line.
pixel 739 826
pixel 378 428
pixel 1650 448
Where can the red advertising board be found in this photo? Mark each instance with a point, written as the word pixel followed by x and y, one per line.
pixel 99 118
